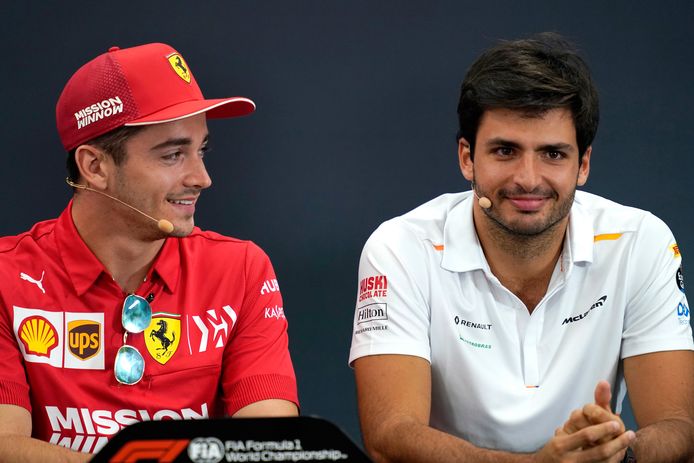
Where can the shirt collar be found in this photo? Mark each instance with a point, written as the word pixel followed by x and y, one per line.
pixel 462 251
pixel 84 268
pixel 580 233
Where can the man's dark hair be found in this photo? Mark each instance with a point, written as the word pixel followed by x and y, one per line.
pixel 531 75
pixel 112 143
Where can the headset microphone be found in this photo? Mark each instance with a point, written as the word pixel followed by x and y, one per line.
pixel 163 224
pixel 483 201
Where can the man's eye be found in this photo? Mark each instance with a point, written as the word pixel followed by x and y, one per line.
pixel 172 156
pixel 204 150
pixel 504 151
pixel 555 155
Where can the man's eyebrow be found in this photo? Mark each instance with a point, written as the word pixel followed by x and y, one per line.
pixel 559 146
pixel 555 147
pixel 498 141
pixel 182 141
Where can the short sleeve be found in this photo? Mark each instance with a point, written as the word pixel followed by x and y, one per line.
pixel 657 316
pixel 392 313
pixel 257 365
pixel 14 388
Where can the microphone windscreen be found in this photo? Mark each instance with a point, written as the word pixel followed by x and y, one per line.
pixel 165 226
pixel 485 202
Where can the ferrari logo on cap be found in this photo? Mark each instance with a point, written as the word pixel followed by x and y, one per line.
pixel 162 336
pixel 179 65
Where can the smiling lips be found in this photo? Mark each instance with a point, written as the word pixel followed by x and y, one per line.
pixel 183 202
pixel 184 205
pixel 528 203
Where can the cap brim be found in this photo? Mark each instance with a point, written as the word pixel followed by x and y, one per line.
pixel 215 109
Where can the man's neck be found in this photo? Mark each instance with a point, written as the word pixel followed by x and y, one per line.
pixel 126 256
pixel 523 264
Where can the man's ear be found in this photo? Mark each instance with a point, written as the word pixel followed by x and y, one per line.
pixel 465 159
pixel 94 166
pixel 584 167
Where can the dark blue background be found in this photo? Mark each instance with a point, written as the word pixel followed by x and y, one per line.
pixel 355 124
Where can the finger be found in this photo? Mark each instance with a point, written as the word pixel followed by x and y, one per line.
pixel 595 415
pixel 603 394
pixel 609 450
pixel 577 421
pixel 586 437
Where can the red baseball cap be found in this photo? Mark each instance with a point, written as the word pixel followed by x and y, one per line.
pixel 148 84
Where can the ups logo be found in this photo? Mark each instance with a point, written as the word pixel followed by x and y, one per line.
pixel 84 341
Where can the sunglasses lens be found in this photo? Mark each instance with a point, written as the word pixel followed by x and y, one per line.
pixel 129 365
pixel 137 314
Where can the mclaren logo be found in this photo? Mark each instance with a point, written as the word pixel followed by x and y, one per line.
pixel 163 336
pixel 179 65
pixel 580 317
pixel 83 338
pixel 38 336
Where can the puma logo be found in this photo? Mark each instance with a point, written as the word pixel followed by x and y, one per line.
pixel 38 283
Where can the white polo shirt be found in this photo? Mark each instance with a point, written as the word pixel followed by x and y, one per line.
pixel 503 378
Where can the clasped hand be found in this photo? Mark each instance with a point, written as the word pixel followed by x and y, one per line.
pixel 591 434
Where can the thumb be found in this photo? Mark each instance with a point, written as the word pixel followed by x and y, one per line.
pixel 603 395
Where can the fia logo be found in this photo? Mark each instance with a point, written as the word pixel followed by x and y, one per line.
pixel 206 450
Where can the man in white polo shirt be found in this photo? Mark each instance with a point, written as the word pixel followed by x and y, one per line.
pixel 485 318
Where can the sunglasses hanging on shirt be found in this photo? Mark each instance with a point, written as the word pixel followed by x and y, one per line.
pixel 129 365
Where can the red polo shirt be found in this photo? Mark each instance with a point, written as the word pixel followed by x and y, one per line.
pixel 217 341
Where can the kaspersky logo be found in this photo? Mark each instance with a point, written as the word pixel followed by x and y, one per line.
pixel 179 66
pixel 38 336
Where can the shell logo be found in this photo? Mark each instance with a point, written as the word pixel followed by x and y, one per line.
pixel 38 336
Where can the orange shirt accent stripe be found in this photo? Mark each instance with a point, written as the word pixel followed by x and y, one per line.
pixel 438 247
pixel 607 237
pixel 676 250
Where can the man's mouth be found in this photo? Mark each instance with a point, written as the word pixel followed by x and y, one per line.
pixel 528 203
pixel 183 202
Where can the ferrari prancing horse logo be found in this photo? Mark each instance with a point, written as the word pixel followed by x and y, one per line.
pixel 179 65
pixel 162 336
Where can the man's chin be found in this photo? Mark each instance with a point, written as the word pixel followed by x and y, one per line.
pixel 534 227
pixel 182 229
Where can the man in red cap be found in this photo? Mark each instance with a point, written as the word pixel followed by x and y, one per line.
pixel 121 310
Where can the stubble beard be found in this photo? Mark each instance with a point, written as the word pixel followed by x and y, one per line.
pixel 528 240
pixel 137 224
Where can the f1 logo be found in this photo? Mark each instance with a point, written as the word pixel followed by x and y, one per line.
pixel 163 451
